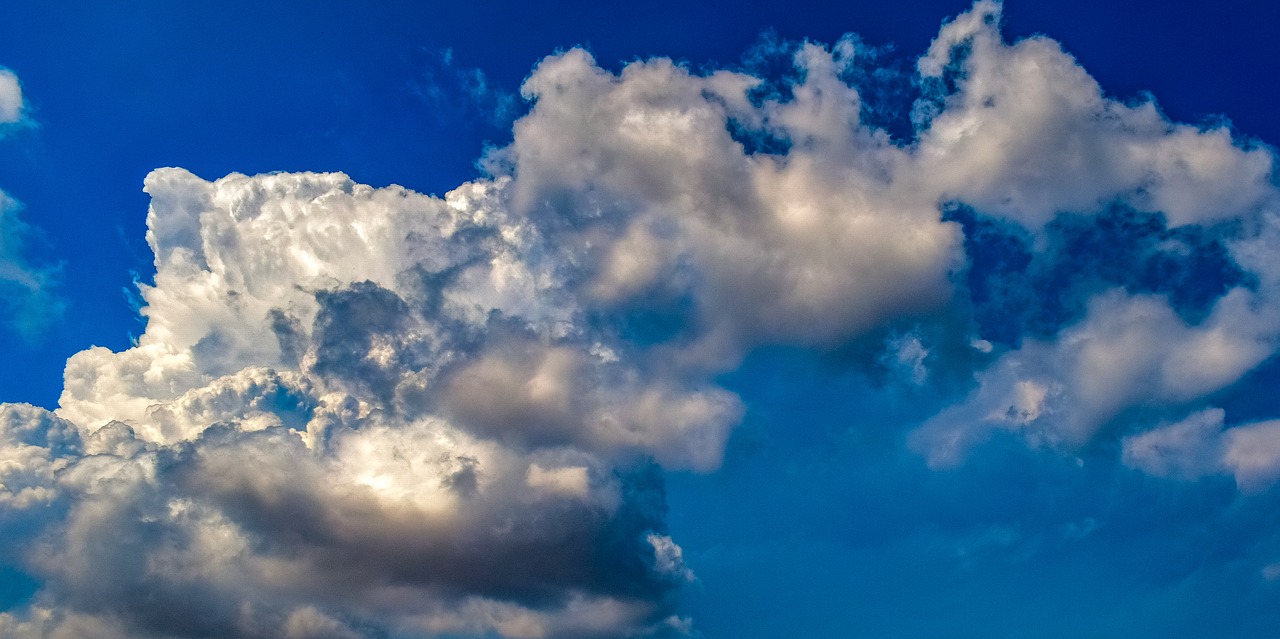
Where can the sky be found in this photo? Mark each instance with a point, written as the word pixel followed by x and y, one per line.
pixel 521 320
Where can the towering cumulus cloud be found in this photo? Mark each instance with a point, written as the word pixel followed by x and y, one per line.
pixel 367 412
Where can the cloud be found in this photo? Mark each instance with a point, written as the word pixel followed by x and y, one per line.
pixel 1186 449
pixel 452 447
pixel 27 299
pixel 28 289
pixel 362 411
pixel 1253 454
pixel 1026 134
pixel 34 446
pixel 396 523
pixel 810 247
pixel 11 102
pixel 1028 138
pixel 1128 351
pixel 456 91
pixel 1199 446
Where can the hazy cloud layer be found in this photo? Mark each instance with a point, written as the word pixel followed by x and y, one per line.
pixel 362 412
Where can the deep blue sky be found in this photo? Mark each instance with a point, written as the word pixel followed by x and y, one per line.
pixel 821 523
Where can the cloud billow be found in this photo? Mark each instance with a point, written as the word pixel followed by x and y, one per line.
pixel 361 412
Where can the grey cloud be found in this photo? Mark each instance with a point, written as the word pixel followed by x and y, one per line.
pixel 34 446
pixel 195 536
pixel 362 338
pixel 289 335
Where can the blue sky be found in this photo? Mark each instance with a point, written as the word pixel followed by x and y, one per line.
pixel 930 319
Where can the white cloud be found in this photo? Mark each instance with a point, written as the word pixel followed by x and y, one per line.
pixel 1128 351
pixel 1028 134
pixel 669 556
pixel 1253 454
pixel 650 197
pixel 1199 446
pixel 1185 450
pixel 11 103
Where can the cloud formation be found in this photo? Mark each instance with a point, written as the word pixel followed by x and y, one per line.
pixel 27 301
pixel 1036 144
pixel 1199 446
pixel 1024 133
pixel 27 298
pixel 362 411
pixel 11 102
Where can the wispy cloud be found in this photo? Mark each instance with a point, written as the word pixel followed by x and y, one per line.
pixel 456 91
pixel 28 302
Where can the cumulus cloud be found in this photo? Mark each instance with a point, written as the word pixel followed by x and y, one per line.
pixel 1027 133
pixel 361 411
pixel 1019 132
pixel 357 406
pixel 810 247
